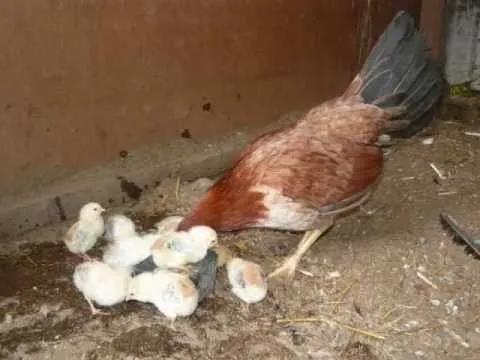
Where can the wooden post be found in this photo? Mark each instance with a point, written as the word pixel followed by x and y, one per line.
pixel 433 25
pixel 433 22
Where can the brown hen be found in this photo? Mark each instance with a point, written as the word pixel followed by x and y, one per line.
pixel 302 177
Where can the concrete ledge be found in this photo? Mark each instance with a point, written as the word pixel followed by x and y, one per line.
pixel 122 180
pixel 115 183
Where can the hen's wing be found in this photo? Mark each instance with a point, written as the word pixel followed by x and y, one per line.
pixel 329 156
pixel 325 172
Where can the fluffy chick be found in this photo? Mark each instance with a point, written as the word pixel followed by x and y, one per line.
pixel 118 226
pixel 101 283
pixel 184 247
pixel 247 280
pixel 164 227
pixel 173 294
pixel 126 248
pixel 83 235
pixel 202 273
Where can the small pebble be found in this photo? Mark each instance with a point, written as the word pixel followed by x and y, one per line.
pixel 435 302
pixel 428 141
pixel 384 139
pixel 320 355
pixel 411 324
pixel 8 319
pixel 333 275
pixel 452 309
pixel 44 310
pixel 419 353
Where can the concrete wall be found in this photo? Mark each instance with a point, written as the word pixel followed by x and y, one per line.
pixel 84 80
pixel 463 43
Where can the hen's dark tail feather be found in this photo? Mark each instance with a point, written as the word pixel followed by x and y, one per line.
pixel 400 71
pixel 459 235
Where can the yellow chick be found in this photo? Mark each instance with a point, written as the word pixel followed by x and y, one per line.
pixel 247 280
pixel 173 294
pixel 126 247
pixel 83 235
pixel 101 283
pixel 180 248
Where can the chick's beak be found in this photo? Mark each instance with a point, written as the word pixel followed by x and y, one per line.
pixel 102 210
pixel 213 244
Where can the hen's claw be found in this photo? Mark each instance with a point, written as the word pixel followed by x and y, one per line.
pixel 286 271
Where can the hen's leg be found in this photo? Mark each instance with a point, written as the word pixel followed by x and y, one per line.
pixel 289 266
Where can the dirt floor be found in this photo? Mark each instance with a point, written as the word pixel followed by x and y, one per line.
pixel 385 283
